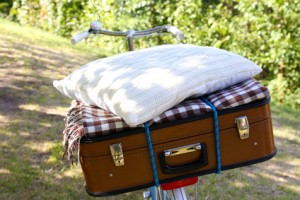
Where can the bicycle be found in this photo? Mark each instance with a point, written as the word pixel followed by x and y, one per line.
pixel 170 191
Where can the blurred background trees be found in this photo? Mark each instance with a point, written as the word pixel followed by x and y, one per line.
pixel 266 32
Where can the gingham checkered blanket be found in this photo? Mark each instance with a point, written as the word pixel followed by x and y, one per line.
pixel 90 121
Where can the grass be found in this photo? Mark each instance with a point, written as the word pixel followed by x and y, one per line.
pixel 31 122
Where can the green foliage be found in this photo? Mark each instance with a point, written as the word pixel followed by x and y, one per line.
pixel 266 32
pixel 5 6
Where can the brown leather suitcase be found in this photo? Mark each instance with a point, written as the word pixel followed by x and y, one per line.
pixel 183 148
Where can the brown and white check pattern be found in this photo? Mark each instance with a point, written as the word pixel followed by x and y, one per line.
pixel 90 121
pixel 184 109
pixel 239 94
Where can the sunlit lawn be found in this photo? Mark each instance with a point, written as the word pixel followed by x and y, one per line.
pixel 31 124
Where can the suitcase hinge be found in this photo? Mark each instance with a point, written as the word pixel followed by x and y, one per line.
pixel 243 126
pixel 117 154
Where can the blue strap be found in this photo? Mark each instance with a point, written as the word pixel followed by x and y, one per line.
pixel 216 124
pixel 153 193
pixel 155 175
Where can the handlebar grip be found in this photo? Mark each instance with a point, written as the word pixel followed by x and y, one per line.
pixel 79 37
pixel 176 32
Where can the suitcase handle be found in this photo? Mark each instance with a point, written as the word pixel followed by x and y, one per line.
pixel 201 162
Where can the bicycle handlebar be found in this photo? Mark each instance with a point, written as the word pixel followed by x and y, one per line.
pixel 132 33
pixel 96 28
pixel 79 37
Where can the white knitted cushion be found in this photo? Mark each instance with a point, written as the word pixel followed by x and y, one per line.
pixel 140 85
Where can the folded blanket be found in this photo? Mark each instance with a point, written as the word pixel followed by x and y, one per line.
pixel 90 121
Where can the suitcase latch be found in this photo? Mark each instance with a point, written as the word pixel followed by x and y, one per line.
pixel 117 154
pixel 243 126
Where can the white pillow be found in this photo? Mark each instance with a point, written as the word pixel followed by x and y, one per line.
pixel 140 85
